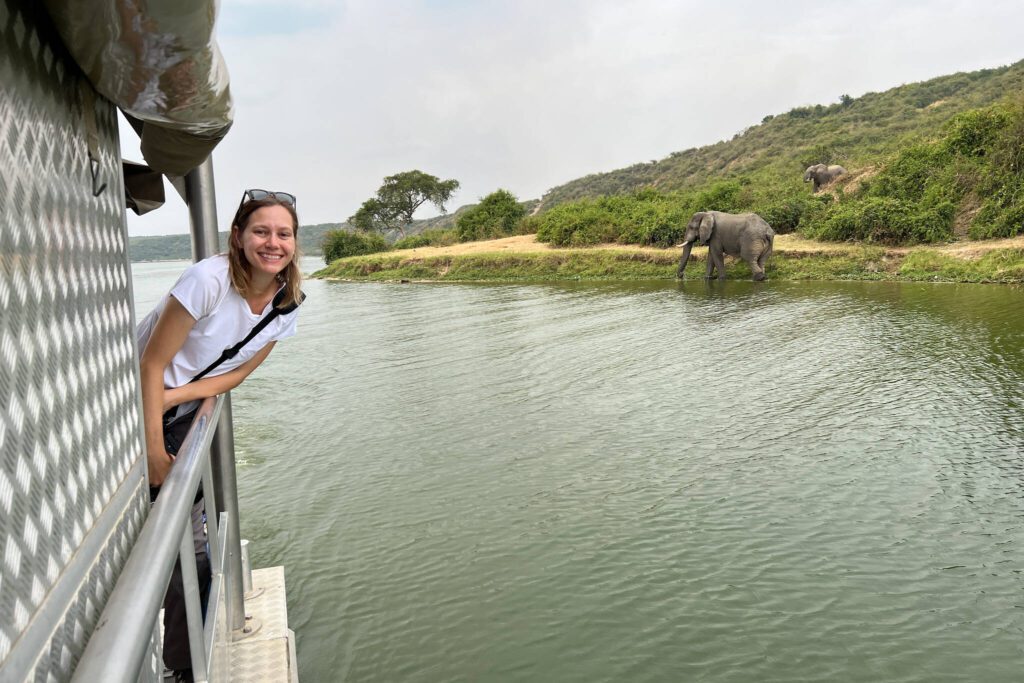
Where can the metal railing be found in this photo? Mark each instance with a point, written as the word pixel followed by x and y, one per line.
pixel 118 647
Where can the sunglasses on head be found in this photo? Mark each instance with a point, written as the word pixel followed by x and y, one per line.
pixel 256 195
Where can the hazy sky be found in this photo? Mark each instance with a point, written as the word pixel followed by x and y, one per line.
pixel 331 96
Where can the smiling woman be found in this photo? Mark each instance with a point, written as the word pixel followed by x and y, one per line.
pixel 218 323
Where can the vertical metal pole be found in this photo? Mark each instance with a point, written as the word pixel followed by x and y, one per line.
pixel 222 454
pixel 202 210
pixel 193 608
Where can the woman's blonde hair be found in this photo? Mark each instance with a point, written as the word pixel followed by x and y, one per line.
pixel 238 266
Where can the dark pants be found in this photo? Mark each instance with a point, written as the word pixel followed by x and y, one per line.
pixel 177 654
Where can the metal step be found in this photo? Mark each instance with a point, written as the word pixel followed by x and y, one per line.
pixel 267 652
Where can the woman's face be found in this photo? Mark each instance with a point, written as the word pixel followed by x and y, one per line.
pixel 268 241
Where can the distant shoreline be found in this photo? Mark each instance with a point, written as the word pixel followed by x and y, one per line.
pixel 317 255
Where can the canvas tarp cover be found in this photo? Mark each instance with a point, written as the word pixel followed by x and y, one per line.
pixel 158 62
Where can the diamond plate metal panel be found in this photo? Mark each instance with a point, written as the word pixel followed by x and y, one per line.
pixel 69 409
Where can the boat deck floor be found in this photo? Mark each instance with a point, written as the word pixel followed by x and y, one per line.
pixel 266 654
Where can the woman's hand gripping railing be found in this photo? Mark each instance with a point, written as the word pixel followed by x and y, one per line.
pixel 118 646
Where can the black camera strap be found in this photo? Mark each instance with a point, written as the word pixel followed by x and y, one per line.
pixel 264 321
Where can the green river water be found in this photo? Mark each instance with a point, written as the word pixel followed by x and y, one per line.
pixel 642 481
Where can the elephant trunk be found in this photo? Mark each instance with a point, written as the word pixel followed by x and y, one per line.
pixel 684 258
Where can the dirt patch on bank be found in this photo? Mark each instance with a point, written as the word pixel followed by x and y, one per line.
pixel 516 244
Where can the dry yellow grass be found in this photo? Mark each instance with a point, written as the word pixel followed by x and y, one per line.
pixel 783 243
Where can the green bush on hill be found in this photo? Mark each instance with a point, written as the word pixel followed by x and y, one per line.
pixel 436 237
pixel 1002 212
pixel 731 196
pixel 496 216
pixel 341 243
pixel 647 217
pixel 978 156
pixel 582 223
pixel 787 213
pixel 883 220
pixel 650 217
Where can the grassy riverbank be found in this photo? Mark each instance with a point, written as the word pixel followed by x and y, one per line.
pixel 523 259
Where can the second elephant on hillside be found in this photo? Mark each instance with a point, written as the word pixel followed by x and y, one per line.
pixel 822 174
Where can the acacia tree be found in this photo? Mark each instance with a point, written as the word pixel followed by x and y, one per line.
pixel 399 197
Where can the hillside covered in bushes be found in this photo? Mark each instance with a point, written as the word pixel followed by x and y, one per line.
pixel 854 132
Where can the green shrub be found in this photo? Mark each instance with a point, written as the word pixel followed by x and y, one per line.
pixel 1002 182
pixel 884 220
pixel 646 217
pixel 657 220
pixel 726 195
pixel 437 237
pixel 785 215
pixel 974 133
pixel 581 223
pixel 495 216
pixel 994 221
pixel 341 243
pixel 907 177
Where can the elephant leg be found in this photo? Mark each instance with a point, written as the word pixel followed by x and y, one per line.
pixel 758 270
pixel 749 252
pixel 710 266
pixel 720 264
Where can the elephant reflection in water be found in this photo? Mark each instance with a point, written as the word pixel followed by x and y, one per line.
pixel 745 235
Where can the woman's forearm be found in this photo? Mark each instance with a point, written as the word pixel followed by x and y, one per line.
pixel 204 388
pixel 217 384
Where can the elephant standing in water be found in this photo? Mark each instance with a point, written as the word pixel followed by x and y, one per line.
pixel 746 235
pixel 822 174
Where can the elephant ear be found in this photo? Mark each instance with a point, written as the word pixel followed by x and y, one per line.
pixel 707 224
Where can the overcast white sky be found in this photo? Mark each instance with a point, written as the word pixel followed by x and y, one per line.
pixel 331 96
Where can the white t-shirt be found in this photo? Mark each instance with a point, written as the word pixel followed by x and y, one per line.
pixel 222 318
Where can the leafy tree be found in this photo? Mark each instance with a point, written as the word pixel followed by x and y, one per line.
pixel 399 198
pixel 495 216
